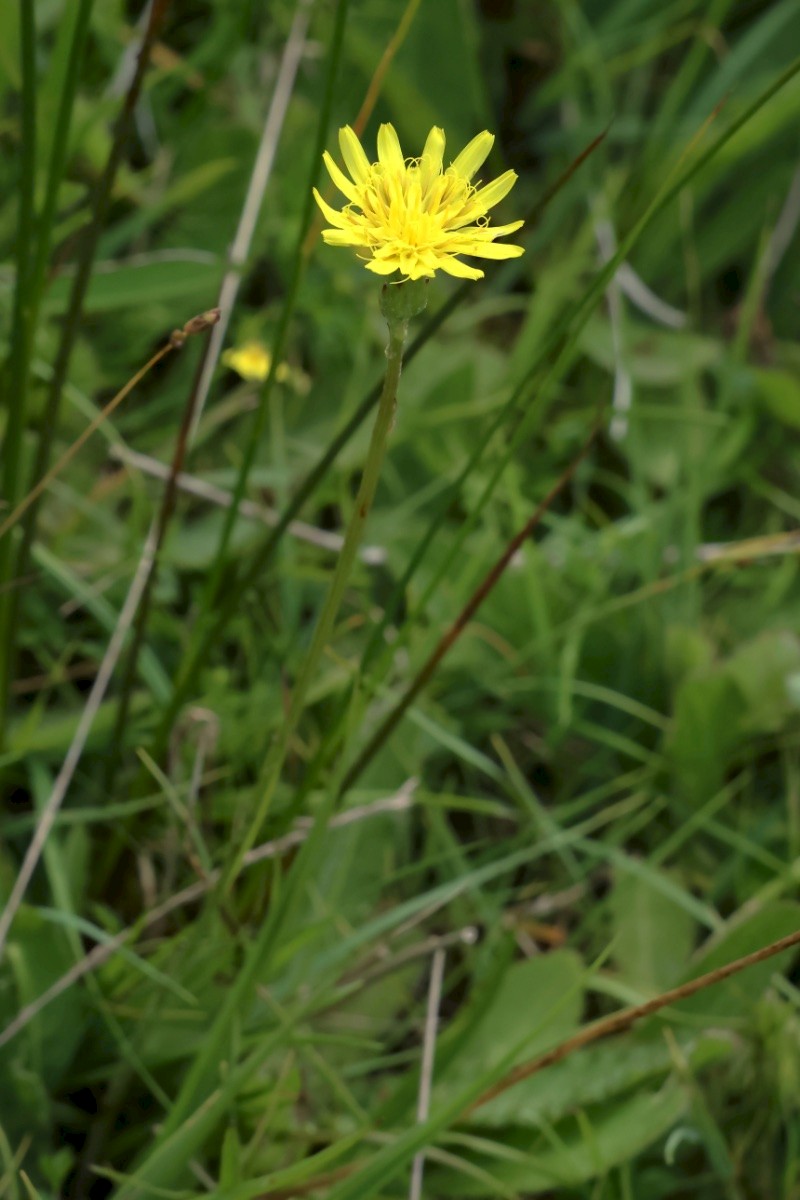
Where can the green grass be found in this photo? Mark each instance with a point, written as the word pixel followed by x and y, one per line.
pixel 598 789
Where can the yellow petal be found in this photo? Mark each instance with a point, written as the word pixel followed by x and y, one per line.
pixel 382 266
pixel 413 267
pixel 353 154
pixel 474 155
pixel 434 149
pixel 487 233
pixel 343 237
pixel 454 266
pixel 486 197
pixel 336 218
pixel 411 217
pixel 340 179
pixel 494 250
pixel 387 250
pixel 389 153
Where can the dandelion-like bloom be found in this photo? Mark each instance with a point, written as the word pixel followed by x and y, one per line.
pixel 417 216
pixel 252 361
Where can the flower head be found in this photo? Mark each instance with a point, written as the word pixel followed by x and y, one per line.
pixel 252 361
pixel 414 215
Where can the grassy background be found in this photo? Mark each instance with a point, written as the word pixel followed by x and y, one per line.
pixel 598 794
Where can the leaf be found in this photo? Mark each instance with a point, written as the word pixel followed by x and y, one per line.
pixel 761 670
pixel 779 392
pixel 706 731
pixel 126 286
pixel 38 955
pixel 653 934
pixel 537 1004
pixel 588 1145
pixel 600 1073
pixel 655 357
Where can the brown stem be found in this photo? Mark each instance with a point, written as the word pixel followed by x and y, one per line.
pixel 202 324
pixel 66 458
pixel 620 1021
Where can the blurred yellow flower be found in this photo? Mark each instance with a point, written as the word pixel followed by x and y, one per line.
pixel 252 361
pixel 414 215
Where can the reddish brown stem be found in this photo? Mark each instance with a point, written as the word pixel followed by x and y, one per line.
pixel 620 1021
pixel 203 323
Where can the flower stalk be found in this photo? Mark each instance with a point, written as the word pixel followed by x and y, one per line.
pixel 399 303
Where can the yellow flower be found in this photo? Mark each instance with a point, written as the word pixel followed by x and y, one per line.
pixel 415 215
pixel 252 361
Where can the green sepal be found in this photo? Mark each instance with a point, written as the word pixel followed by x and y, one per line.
pixel 402 301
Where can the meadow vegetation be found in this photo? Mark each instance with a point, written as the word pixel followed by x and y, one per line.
pixel 548 763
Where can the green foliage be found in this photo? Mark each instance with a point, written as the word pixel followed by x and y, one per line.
pixel 596 794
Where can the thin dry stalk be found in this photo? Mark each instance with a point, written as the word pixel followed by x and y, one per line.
pixel 193 486
pixel 93 425
pixel 204 323
pixel 262 170
pixel 426 1069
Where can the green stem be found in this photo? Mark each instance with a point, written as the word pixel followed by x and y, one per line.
pixel 33 278
pixel 207 1061
pixel 451 635
pixel 74 316
pixel 208 628
pixel 559 347
pixel 277 753
pixel 60 146
pixel 18 368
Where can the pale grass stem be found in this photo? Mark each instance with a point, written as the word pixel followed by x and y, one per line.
pixel 426 1069
pixel 256 189
pixel 324 539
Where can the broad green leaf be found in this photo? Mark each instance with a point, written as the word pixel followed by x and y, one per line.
pixel 586 1146
pixel 761 670
pixel 779 392
pixel 537 1004
pixel 653 935
pixel 193 281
